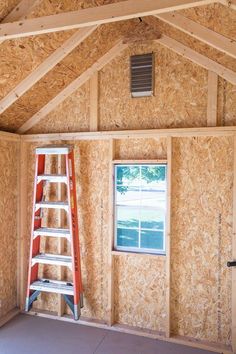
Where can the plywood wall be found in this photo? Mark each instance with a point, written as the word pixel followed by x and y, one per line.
pixel 174 77
pixel 169 107
pixel 92 193
pixel 201 238
pixel 140 280
pixel 202 178
pixel 8 225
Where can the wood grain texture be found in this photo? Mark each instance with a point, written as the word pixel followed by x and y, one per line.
pixel 169 107
pixel 9 153
pixel 201 238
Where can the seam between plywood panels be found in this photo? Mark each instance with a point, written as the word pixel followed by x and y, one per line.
pixel 23 218
pixel 111 235
pixel 233 294
pixel 168 237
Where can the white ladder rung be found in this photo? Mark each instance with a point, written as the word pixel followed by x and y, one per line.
pixel 53 232
pixel 52 178
pixel 53 286
pixel 52 259
pixel 52 205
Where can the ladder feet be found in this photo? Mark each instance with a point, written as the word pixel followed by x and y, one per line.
pixel 75 308
pixel 29 300
pixel 76 312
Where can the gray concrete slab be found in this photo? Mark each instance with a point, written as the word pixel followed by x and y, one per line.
pixel 36 335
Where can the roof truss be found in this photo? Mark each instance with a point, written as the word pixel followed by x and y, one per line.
pixel 186 25
pixel 198 58
pixel 20 11
pixel 229 3
pixel 73 86
pixel 164 40
pixel 45 67
pixel 194 29
pixel 94 16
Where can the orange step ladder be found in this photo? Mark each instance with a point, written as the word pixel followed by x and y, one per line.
pixel 72 291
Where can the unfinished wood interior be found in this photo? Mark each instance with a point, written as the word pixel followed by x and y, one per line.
pixel 69 83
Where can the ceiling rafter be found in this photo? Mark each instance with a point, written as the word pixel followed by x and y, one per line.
pixel 231 4
pixel 48 64
pixel 20 11
pixel 198 58
pixel 170 43
pixel 73 86
pixel 204 34
pixel 94 16
pixel 188 26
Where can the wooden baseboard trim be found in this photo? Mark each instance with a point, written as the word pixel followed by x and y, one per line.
pixel 215 348
pixel 9 316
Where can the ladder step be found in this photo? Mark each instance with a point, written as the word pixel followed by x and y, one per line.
pixel 52 205
pixel 53 286
pixel 53 232
pixel 52 178
pixel 53 150
pixel 52 259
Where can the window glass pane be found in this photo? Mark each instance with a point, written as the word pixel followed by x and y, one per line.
pixel 152 239
pixel 154 198
pixel 127 237
pixel 127 216
pixel 128 175
pixel 127 195
pixel 152 219
pixel 140 206
pixel 152 175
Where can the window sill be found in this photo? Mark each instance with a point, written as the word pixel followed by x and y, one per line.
pixel 126 253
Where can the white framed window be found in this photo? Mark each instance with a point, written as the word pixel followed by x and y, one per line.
pixel 140 204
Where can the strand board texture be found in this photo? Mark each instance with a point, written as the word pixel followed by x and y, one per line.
pixel 92 185
pixel 201 238
pixel 8 225
pixel 174 76
pixel 79 60
pixel 139 282
pixel 202 178
pixel 27 53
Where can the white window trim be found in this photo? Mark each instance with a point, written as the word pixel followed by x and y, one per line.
pixel 136 249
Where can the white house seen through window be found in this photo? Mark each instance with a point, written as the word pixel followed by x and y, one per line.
pixel 140 207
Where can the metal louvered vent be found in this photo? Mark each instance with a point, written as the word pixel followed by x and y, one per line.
pixel 141 69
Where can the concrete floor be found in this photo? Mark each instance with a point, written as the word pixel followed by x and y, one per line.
pixel 34 335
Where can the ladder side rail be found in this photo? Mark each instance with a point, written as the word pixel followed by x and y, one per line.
pixel 36 223
pixel 74 211
pixel 74 229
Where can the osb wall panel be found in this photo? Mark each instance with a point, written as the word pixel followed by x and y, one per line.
pixel 72 115
pixel 229 104
pixel 216 17
pixel 140 291
pixel 8 227
pixel 79 60
pixel 27 53
pixel 21 56
pixel 32 51
pixel 169 107
pixel 92 193
pixel 139 280
pixel 6 7
pixel 136 149
pixel 201 238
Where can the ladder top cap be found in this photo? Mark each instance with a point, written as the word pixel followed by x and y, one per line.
pixel 54 150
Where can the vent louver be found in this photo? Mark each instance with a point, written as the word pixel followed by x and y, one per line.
pixel 141 68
